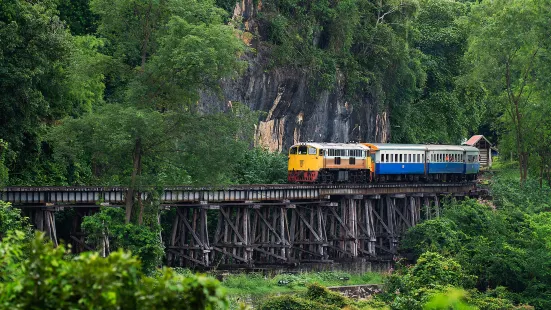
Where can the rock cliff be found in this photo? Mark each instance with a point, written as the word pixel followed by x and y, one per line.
pixel 293 113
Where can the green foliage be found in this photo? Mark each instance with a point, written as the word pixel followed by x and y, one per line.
pixel 316 297
pixel 12 252
pixel 35 53
pixel 294 303
pixel 11 219
pixel 451 299
pixel 437 282
pixel 438 114
pixel 438 235
pixel 508 193
pixel 78 16
pixel 256 284
pixel 435 270
pixel 507 58
pixel 3 169
pixel 45 280
pixel 141 240
pixel 505 245
pixel 260 166
pixel 322 295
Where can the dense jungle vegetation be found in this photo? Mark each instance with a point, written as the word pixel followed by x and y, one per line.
pixel 105 92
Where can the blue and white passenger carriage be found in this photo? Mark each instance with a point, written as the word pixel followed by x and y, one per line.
pixel 398 161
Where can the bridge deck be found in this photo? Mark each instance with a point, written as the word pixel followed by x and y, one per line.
pixel 86 195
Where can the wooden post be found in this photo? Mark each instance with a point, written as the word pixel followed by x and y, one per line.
pixel 426 203
pixel 437 206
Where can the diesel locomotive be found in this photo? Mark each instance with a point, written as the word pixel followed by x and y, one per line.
pixel 381 162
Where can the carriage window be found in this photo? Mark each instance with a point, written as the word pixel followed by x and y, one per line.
pixel 352 160
pixel 293 150
pixel 337 160
pixel 386 156
pixel 409 158
pixel 418 158
pixel 312 151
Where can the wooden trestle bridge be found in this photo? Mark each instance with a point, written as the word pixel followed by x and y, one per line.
pixel 257 225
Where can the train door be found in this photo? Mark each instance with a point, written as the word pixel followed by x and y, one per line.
pixel 426 162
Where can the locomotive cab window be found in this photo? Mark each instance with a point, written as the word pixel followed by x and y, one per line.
pixel 321 152
pixel 293 150
pixel 302 150
pixel 312 151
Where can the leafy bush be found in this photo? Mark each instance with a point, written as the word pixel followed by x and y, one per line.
pixel 322 295
pixel 12 219
pixel 412 286
pixel 508 193
pixel 438 235
pixel 45 280
pixel 294 303
pixel 259 166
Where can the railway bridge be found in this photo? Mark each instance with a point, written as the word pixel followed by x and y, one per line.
pixel 256 225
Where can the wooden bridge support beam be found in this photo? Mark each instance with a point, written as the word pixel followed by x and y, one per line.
pixel 252 234
pixel 43 219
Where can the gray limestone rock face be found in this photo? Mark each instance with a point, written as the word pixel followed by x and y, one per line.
pixel 294 113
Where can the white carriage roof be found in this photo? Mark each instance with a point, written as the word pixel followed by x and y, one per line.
pixel 396 146
pixel 436 147
pixel 470 148
pixel 339 146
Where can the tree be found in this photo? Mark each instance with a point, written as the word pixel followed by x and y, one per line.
pixel 507 56
pixel 438 114
pixel 163 54
pixel 35 53
pixel 108 233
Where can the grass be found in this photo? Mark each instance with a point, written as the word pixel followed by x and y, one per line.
pixel 254 288
pixel 257 284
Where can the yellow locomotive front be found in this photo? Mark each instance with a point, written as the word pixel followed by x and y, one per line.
pixel 329 163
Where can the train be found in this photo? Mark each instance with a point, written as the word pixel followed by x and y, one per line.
pixel 381 162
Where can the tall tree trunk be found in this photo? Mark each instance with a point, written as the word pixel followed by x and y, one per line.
pixel 140 215
pixel 541 172
pixel 136 170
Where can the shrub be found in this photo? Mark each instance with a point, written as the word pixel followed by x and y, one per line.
pixel 46 280
pixel 294 303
